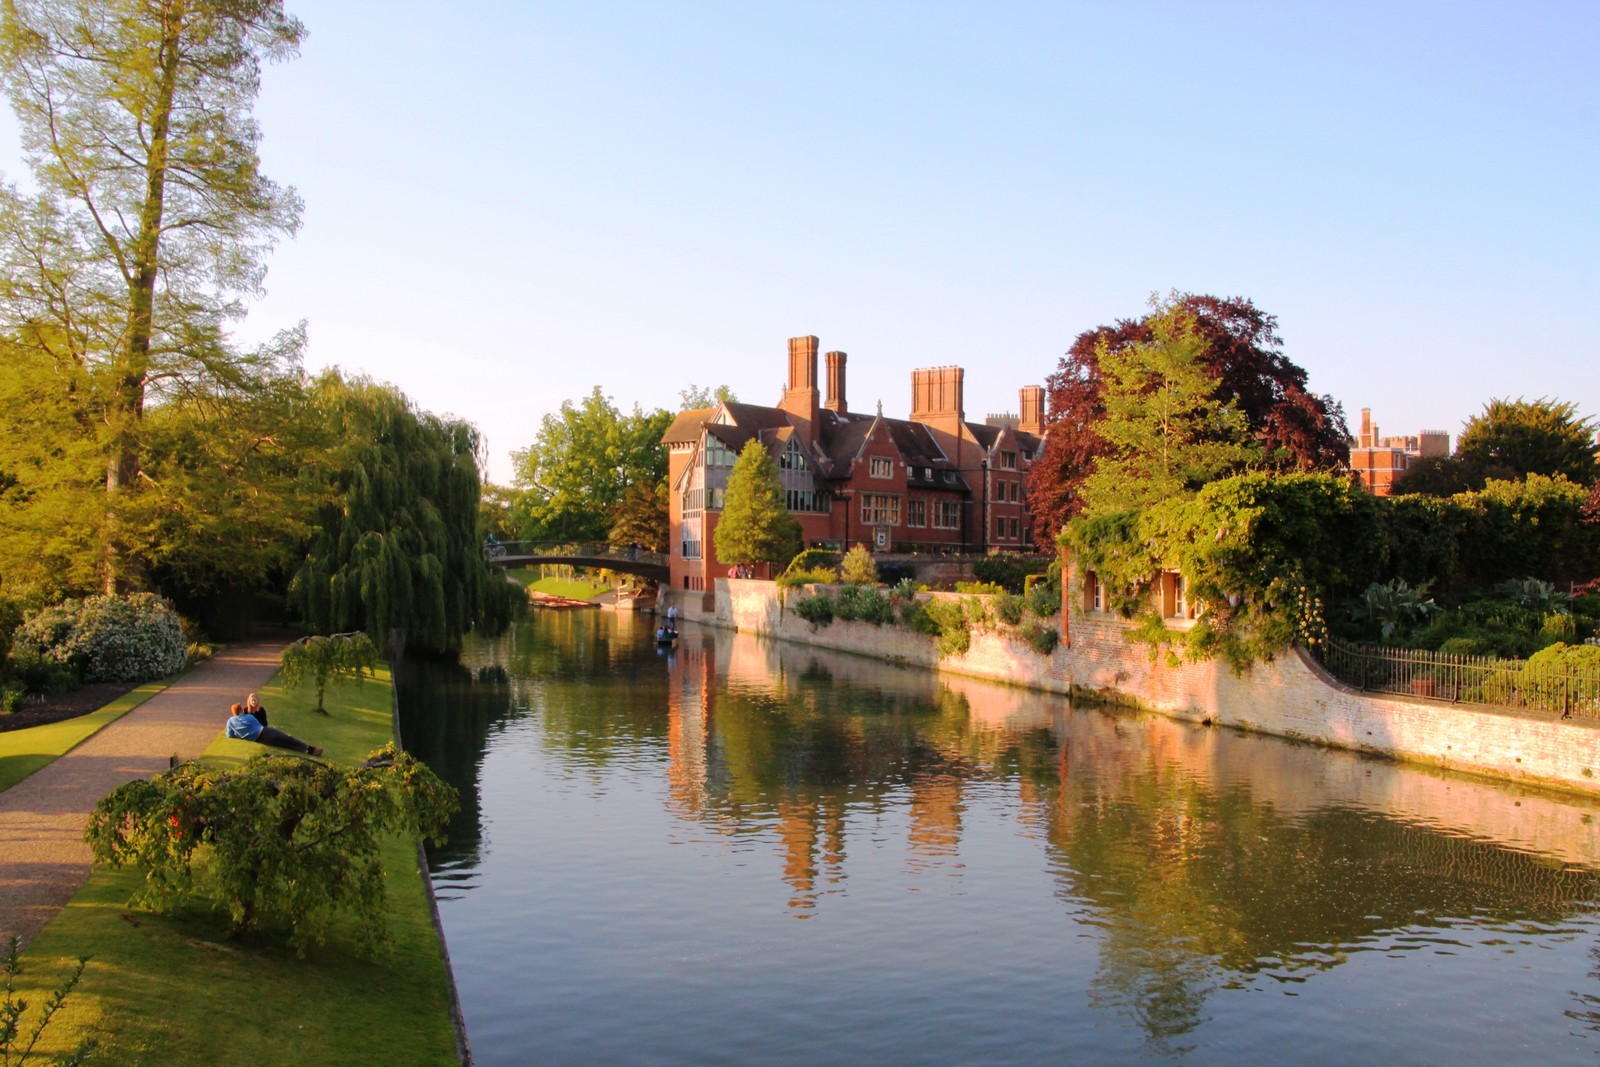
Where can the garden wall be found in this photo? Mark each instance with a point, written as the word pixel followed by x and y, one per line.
pixel 1293 697
pixel 1289 697
pixel 756 606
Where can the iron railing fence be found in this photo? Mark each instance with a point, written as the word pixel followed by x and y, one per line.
pixel 1567 690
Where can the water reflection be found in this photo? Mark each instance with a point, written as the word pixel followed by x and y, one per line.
pixel 1200 862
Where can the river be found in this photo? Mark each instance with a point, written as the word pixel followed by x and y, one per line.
pixel 744 852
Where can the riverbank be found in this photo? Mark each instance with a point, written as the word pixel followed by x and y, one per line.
pixel 1289 697
pixel 177 990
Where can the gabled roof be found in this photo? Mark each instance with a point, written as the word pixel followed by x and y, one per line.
pixel 685 429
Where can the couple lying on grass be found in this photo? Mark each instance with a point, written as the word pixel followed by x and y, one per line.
pixel 248 722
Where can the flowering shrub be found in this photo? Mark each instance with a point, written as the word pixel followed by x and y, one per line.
pixel 105 638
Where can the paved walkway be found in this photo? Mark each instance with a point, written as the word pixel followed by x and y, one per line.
pixel 43 860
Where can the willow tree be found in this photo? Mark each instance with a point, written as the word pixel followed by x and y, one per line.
pixel 150 219
pixel 396 550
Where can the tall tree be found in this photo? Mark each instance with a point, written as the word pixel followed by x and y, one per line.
pixel 696 397
pixel 582 462
pixel 1531 437
pixel 756 526
pixel 641 518
pixel 1297 429
pixel 152 213
pixel 397 551
pixel 1165 431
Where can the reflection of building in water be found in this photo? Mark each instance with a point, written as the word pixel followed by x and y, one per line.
pixel 804 829
pixel 691 700
pixel 935 832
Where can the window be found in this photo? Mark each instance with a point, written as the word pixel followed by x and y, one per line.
pixel 1094 594
pixel 792 458
pixel 882 467
pixel 1000 490
pixel 880 509
pixel 717 454
pixel 950 477
pixel 927 473
pixel 947 514
pixel 1016 529
pixel 1016 492
pixel 691 550
pixel 1008 461
pixel 809 500
pixel 916 513
pixel 999 527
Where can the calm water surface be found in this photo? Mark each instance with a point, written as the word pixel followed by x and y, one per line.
pixel 748 852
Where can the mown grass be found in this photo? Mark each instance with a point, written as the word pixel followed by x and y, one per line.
pixel 178 990
pixel 576 588
pixel 24 751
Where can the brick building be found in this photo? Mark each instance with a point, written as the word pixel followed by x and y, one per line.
pixel 1378 460
pixel 933 482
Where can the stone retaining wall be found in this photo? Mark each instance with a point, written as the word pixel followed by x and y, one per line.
pixel 1289 697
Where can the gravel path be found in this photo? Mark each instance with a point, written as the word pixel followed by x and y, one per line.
pixel 43 860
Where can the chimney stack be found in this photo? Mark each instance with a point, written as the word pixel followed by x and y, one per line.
pixel 1032 420
pixel 801 398
pixel 836 401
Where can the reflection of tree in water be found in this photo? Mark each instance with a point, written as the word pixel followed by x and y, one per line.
pixel 1197 888
pixel 447 711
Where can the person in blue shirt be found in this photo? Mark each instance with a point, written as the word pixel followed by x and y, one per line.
pixel 246 727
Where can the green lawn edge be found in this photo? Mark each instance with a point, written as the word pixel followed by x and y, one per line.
pixel 176 990
pixel 23 752
pixel 576 588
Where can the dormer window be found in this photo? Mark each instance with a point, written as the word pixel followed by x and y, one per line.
pixel 1008 461
pixel 792 458
pixel 950 477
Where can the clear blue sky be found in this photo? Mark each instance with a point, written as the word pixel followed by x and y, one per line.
pixel 510 203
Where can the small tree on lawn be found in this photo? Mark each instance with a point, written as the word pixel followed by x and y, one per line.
pixel 281 843
pixel 332 658
pixel 756 526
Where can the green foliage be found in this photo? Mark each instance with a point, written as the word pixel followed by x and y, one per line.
pixel 817 610
pixel 863 604
pixel 979 588
pixel 397 550
pixel 1165 431
pixel 641 517
pixel 1044 599
pixel 17 1041
pixel 858 566
pixel 147 233
pixel 794 579
pixel 1394 607
pixel 954 638
pixel 914 615
pixel 813 559
pixel 1563 678
pixel 1534 594
pixel 756 526
pixel 281 842
pixel 1007 570
pixel 582 462
pixel 336 658
pixel 700 397
pixel 1042 638
pixel 103 639
pixel 1009 608
pixel 1558 626
pixel 1521 437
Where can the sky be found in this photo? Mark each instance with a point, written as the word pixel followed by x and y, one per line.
pixel 512 203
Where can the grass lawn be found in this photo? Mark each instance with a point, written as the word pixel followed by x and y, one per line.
pixel 576 588
pixel 177 990
pixel 24 751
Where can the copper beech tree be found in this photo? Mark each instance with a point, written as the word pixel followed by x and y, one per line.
pixel 1295 428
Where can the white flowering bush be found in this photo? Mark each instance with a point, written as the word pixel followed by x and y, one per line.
pixel 105 638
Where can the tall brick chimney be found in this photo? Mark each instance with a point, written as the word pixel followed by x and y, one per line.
pixel 1032 420
pixel 937 403
pixel 801 398
pixel 836 401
